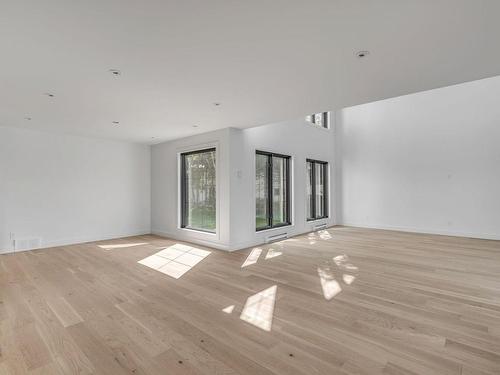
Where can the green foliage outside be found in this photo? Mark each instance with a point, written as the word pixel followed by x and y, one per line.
pixel 202 218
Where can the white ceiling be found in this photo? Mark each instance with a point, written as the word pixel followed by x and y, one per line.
pixel 263 60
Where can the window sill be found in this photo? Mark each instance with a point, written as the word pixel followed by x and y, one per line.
pixel 313 220
pixel 201 231
pixel 274 228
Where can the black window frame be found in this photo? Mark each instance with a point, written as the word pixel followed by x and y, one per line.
pixel 287 221
pixel 184 189
pixel 325 120
pixel 324 164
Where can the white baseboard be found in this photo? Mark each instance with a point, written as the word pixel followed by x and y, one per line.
pixel 228 247
pixel 74 241
pixel 79 240
pixel 258 242
pixel 482 236
pixel 174 236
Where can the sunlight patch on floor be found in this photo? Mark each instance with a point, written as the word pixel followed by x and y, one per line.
pixel 348 279
pixel 330 286
pixel 121 245
pixel 229 309
pixel 259 308
pixel 324 235
pixel 252 257
pixel 326 272
pixel 350 267
pixel 342 261
pixel 175 260
pixel 339 259
pixel 271 253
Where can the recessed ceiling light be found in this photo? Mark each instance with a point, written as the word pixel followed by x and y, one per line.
pixel 216 104
pixel 116 122
pixel 50 95
pixel 361 54
pixel 115 72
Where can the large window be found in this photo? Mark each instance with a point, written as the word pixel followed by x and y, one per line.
pixel 272 187
pixel 198 182
pixel 317 189
pixel 319 119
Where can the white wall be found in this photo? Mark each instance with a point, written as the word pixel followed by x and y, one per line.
pixel 236 180
pixel 301 141
pixel 427 162
pixel 66 189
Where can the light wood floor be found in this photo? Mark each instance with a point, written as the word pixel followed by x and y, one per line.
pixel 347 301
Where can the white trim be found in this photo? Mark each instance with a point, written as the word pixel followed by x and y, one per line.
pixel 199 231
pixel 282 227
pixel 80 240
pixel 475 235
pixel 259 242
pixel 206 145
pixel 203 242
pixel 314 221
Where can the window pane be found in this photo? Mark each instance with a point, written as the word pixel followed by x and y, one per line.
pixel 309 191
pixel 261 191
pixel 320 186
pixel 318 119
pixel 199 194
pixel 279 190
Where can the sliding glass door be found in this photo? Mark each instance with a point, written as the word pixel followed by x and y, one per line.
pixel 272 187
pixel 317 189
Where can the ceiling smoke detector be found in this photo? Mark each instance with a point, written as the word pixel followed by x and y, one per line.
pixel 195 126
pixel 49 94
pixel 216 104
pixel 116 122
pixel 115 72
pixel 362 54
pixel 27 118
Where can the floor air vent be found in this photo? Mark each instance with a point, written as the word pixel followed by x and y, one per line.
pixel 319 227
pixel 276 237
